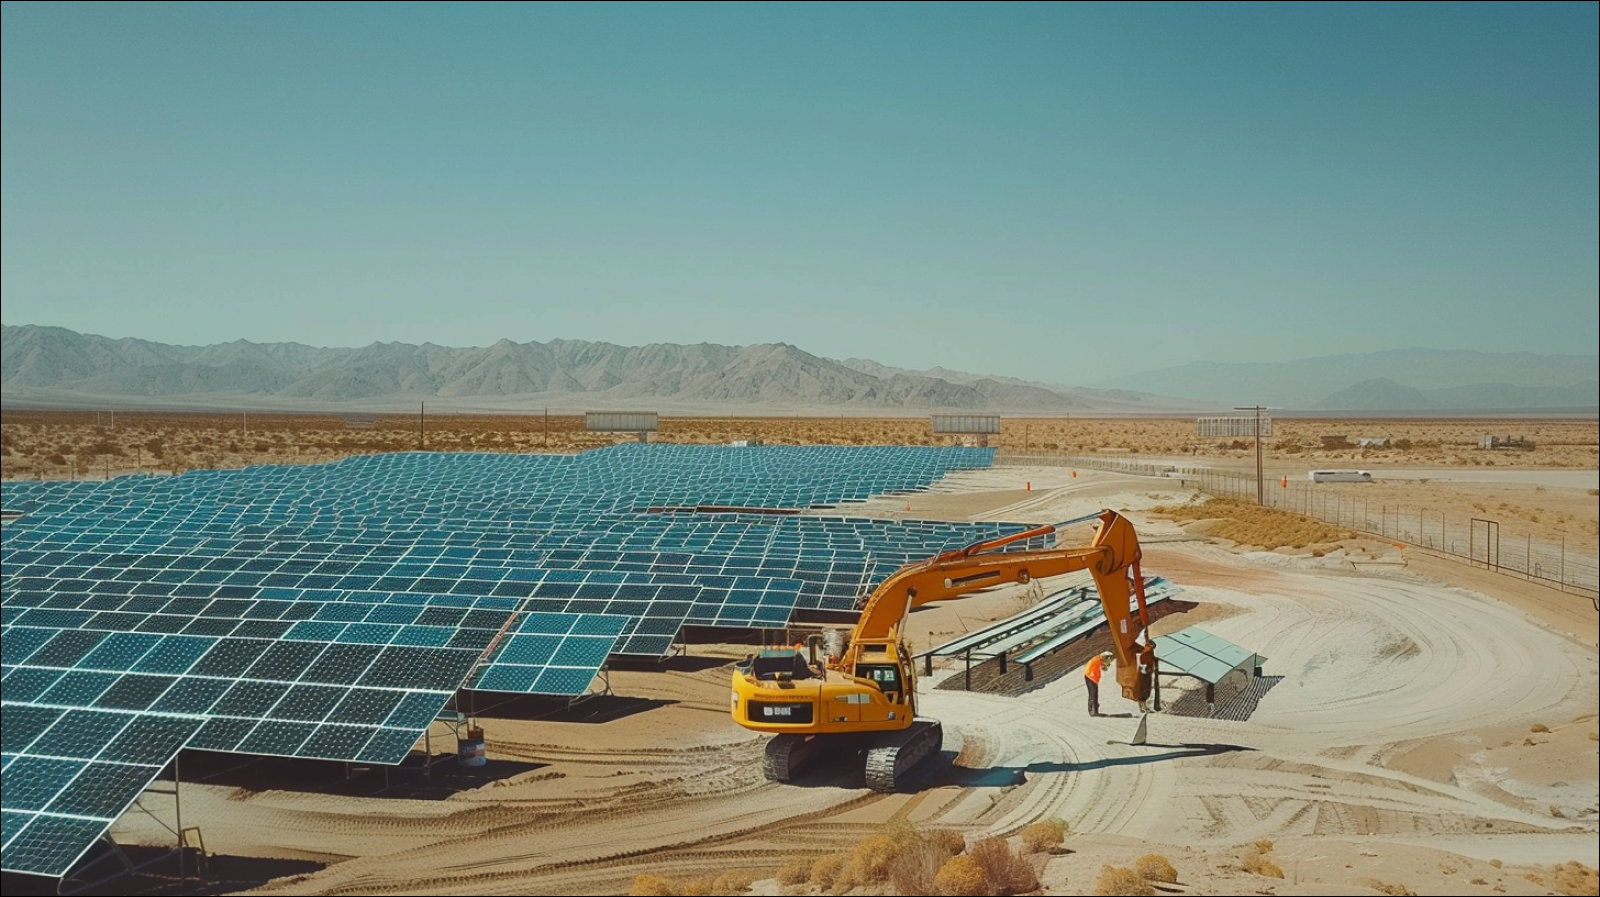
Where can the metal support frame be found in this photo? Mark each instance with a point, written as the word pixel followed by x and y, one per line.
pixel 605 687
pixel 1490 540
pixel 1251 672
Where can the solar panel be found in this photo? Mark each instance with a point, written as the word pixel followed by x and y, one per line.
pixel 69 773
pixel 551 653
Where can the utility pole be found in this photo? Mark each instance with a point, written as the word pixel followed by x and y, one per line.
pixel 1261 497
pixel 547 428
pixel 422 435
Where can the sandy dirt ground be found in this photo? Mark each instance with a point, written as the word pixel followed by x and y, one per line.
pixel 1433 730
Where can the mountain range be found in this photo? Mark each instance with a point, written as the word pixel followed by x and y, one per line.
pixel 52 366
pixel 56 367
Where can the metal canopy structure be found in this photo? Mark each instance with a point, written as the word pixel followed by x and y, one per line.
pixel 1061 618
pixel 1233 425
pixel 1198 654
pixel 1209 658
pixel 332 611
pixel 960 424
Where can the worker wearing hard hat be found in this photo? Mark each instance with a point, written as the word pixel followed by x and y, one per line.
pixel 1091 680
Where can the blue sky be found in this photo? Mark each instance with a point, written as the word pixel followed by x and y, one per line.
pixel 1056 192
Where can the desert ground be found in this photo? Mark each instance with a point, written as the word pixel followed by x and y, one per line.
pixel 1431 727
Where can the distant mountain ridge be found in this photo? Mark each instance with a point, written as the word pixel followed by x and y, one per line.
pixel 1383 394
pixel 1392 380
pixel 56 366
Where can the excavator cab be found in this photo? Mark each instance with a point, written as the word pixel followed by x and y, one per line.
pixel 886 676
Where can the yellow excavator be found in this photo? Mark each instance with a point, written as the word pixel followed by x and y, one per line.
pixel 864 696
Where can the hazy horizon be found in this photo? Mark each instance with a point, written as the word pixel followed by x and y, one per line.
pixel 1059 193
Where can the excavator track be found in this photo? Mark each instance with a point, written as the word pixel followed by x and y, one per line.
pixel 786 755
pixel 893 757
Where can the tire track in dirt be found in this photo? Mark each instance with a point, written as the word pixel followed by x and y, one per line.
pixel 1369 662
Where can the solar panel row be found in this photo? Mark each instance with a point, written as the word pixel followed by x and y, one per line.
pixel 331 611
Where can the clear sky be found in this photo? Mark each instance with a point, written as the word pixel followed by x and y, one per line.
pixel 1056 192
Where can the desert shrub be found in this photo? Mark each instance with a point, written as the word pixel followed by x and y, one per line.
pixel 1047 835
pixel 1573 878
pixel 1256 864
pixel 1496 863
pixel 795 870
pixel 693 887
pixel 1155 867
pixel 732 882
pixel 960 876
pixel 1395 890
pixel 650 886
pixel 949 840
pixel 825 871
pixel 1120 881
pixel 916 866
pixel 1005 872
pixel 1250 524
pixel 1538 727
pixel 1264 845
pixel 869 863
pixel 902 832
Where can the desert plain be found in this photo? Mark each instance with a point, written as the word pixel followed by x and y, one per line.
pixel 1430 727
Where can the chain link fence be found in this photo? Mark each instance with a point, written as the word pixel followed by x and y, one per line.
pixel 1479 541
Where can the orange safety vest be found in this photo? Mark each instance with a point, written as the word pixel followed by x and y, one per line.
pixel 1092 670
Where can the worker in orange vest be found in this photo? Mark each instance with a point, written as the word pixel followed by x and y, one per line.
pixel 1091 680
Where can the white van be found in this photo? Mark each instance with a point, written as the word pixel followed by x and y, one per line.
pixel 1340 476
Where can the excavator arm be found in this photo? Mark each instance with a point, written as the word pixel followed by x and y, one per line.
pixel 1112 559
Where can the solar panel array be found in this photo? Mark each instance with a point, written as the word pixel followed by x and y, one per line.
pixel 331 611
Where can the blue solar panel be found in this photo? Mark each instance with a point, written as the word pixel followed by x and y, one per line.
pixel 561 651
pixel 69 773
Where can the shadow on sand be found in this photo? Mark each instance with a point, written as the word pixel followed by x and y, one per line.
pixel 408 781
pixel 158 872
pixel 846 770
